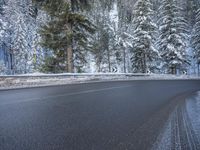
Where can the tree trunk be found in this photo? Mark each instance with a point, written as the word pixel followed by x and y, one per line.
pixel 174 70
pixel 109 63
pixel 70 64
pixel 124 60
pixel 145 64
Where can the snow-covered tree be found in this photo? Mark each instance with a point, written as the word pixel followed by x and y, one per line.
pixel 100 43
pixel 144 54
pixel 20 31
pixel 21 47
pixel 196 39
pixel 3 24
pixel 115 41
pixel 190 8
pixel 173 37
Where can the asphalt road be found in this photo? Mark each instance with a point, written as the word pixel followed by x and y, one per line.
pixel 121 115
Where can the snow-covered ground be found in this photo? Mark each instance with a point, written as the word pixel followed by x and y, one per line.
pixel 182 130
pixel 193 109
pixel 39 79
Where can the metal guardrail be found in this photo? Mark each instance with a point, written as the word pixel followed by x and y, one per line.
pixel 74 75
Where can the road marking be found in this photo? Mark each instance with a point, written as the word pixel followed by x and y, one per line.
pixel 63 95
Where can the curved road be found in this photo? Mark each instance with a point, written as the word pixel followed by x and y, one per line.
pixel 120 115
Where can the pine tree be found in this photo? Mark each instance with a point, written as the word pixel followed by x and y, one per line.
pixel 3 24
pixel 173 37
pixel 196 39
pixel 19 31
pixel 64 31
pixel 113 44
pixel 144 54
pixel 20 47
pixel 104 42
pixel 125 33
pixel 190 8
pixel 100 44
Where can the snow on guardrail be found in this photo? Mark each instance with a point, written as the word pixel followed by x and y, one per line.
pixel 38 80
pixel 40 75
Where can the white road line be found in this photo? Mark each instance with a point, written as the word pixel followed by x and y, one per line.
pixel 63 95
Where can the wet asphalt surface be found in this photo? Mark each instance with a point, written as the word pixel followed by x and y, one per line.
pixel 121 115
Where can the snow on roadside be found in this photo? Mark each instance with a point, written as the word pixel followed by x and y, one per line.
pixel 40 79
pixel 25 82
pixel 182 129
pixel 193 110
